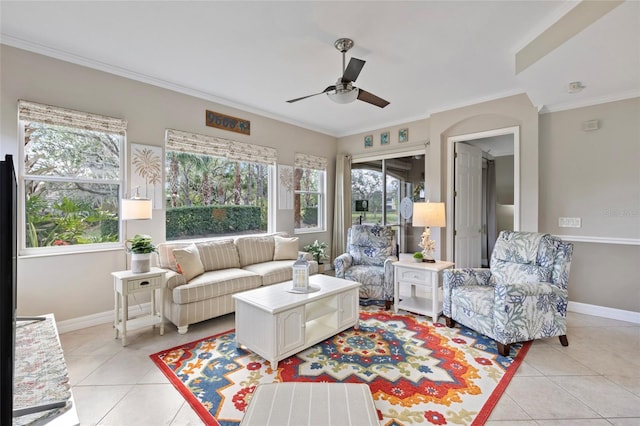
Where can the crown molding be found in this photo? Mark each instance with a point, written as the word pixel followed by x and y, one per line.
pixel 590 102
pixel 143 78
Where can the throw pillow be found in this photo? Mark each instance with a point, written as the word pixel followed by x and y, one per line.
pixel 219 254
pixel 189 263
pixel 286 248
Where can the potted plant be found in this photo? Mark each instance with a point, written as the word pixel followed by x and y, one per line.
pixel 319 252
pixel 140 247
pixel 418 256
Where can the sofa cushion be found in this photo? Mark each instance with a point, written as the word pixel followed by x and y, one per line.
pixel 285 248
pixel 166 259
pixel 212 284
pixel 255 249
pixel 218 254
pixel 272 272
pixel 188 262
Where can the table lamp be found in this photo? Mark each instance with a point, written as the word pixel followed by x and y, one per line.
pixel 136 207
pixel 428 215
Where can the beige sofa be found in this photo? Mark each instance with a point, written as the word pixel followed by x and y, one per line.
pixel 203 276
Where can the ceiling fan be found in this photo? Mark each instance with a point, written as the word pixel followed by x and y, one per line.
pixel 344 92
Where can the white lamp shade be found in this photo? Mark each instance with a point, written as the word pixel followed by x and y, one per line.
pixel 429 214
pixel 343 97
pixel 135 208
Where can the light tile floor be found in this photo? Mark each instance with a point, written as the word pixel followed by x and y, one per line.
pixel 593 381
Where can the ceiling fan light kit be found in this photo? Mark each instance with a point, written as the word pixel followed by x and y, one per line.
pixel 344 92
pixel 343 96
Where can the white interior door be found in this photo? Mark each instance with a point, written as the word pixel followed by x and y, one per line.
pixel 467 206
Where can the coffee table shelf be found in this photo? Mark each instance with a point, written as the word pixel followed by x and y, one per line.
pixel 319 309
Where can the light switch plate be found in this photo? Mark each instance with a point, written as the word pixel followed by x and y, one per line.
pixel 569 222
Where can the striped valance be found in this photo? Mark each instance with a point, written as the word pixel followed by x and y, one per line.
pixel 308 161
pixel 39 113
pixel 195 143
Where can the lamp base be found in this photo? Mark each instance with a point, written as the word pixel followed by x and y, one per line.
pixel 429 260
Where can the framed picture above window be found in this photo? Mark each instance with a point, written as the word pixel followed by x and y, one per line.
pixel 384 138
pixel 368 141
pixel 403 135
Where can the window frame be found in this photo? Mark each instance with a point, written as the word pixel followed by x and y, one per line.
pixel 322 205
pixel 271 197
pixel 23 177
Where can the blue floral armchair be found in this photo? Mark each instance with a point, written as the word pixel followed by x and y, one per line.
pixel 371 249
pixel 523 296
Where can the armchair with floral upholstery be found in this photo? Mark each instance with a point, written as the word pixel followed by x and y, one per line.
pixel 371 250
pixel 523 296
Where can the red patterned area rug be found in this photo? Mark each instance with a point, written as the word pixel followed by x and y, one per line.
pixel 418 372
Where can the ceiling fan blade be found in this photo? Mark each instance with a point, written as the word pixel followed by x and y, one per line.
pixel 372 99
pixel 353 69
pixel 328 89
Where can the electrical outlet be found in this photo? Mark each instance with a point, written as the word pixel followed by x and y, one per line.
pixel 569 222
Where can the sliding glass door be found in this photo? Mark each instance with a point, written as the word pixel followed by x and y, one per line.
pixel 378 188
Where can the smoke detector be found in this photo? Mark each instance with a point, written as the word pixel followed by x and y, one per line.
pixel 576 86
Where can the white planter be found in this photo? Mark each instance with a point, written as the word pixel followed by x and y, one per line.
pixel 140 262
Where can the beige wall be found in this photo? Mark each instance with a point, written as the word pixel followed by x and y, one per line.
pixel 563 172
pixel 507 112
pixel 504 179
pixel 77 285
pixel 595 176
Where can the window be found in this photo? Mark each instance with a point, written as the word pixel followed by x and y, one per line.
pixel 71 178
pixel 216 187
pixel 309 193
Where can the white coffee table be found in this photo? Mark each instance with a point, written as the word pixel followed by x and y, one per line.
pixel 276 323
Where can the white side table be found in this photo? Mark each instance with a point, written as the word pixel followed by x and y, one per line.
pixel 126 283
pixel 427 276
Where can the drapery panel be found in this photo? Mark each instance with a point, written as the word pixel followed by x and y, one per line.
pixel 40 113
pixel 342 205
pixel 178 140
pixel 308 161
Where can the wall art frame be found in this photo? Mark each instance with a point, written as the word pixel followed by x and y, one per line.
pixel 146 172
pixel 385 138
pixel 285 187
pixel 368 141
pixel 403 135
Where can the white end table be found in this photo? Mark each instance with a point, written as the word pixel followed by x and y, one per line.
pixel 424 275
pixel 126 283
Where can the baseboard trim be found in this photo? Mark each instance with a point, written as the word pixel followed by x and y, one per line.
pixel 605 312
pixel 107 317
pixel 100 318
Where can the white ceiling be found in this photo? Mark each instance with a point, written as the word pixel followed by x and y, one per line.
pixel 423 56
